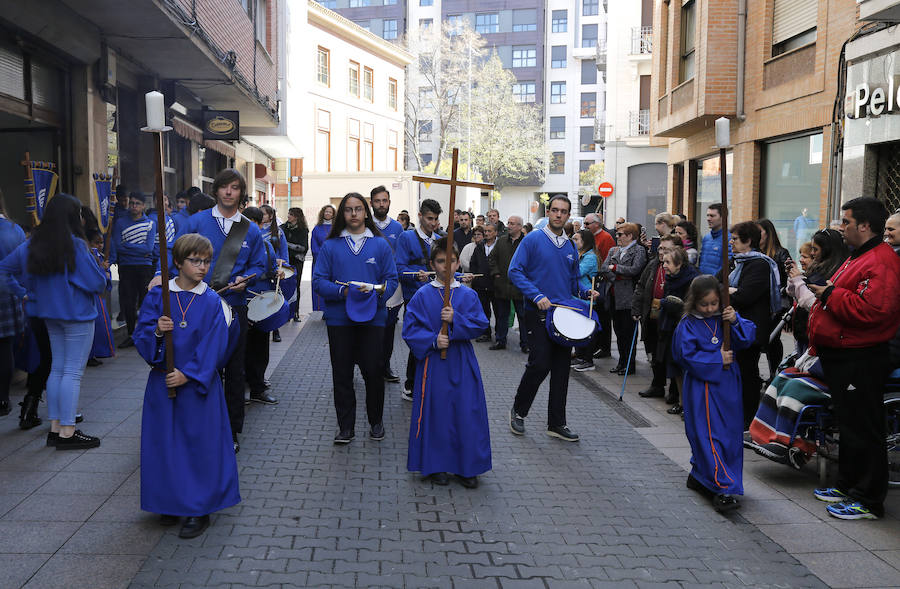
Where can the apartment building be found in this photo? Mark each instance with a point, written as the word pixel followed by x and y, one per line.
pixel 772 67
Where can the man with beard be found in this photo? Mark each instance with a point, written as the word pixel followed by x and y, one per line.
pixel 381 203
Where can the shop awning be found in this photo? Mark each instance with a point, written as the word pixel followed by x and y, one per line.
pixel 190 131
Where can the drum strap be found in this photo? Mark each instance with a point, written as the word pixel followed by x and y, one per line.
pixel 424 261
pixel 228 256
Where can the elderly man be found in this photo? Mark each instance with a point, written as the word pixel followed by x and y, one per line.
pixel 857 313
pixel 505 292
pixel 483 284
pixel 603 242
pixel 493 218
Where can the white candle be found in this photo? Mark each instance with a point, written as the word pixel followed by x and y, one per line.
pixel 723 132
pixel 156 110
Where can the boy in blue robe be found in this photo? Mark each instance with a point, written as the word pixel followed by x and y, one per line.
pixel 449 430
pixel 104 344
pixel 188 466
pixel 711 393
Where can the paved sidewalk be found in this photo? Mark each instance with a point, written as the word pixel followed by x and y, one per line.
pixel 610 511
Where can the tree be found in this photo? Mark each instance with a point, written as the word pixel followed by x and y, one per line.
pixel 593 175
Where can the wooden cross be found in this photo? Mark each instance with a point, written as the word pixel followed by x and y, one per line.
pixel 452 182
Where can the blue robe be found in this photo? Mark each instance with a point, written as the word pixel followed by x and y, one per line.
pixel 449 429
pixel 711 397
pixel 188 466
pixel 319 235
pixel 104 345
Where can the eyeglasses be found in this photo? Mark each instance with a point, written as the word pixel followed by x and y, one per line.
pixel 620 234
pixel 197 262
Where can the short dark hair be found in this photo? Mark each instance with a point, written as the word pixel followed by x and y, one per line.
pixel 478 229
pixel 378 190
pixel 429 205
pixel 716 206
pixel 137 196
pixel 866 209
pixel 227 176
pixel 748 231
pixel 440 246
pixel 560 197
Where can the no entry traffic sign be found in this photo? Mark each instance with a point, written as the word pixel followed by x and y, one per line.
pixel 605 189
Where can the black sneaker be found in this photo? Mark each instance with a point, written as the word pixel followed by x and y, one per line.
pixel 498 346
pixel 563 433
pixel 773 451
pixel 483 338
pixel 391 377
pixel 194 526
pixel 344 437
pixel 264 398
pixel 468 482
pixel 675 409
pixel 695 485
pixel 377 432
pixel 52 437
pixel 723 503
pixel 602 354
pixel 276 336
pixel 797 458
pixel 440 478
pixel 583 367
pixel 516 423
pixel 168 520
pixel 94 362
pixel 652 392
pixel 235 443
pixel 78 441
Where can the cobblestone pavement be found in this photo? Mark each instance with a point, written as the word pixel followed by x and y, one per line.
pixel 611 511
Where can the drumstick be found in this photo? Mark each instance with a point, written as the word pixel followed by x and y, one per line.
pixel 591 306
pixel 253 292
pixel 237 282
pixel 430 273
pixel 278 272
pixel 565 307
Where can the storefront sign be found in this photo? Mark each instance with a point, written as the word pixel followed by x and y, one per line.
pixel 221 124
pixel 868 101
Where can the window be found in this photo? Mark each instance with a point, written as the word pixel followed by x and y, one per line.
pixel 427 158
pixel 454 22
pixel 588 104
pixel 791 181
pixel 524 56
pixel 332 4
pixel 425 96
pixel 359 3
pixel 558 56
pixel 426 23
pixel 793 24
pixel 426 2
pixel 261 22
pixel 524 20
pixel 590 8
pixel 369 84
pixel 354 79
pixel 557 92
pixel 353 146
pixel 584 165
pixel 392 93
pixel 589 71
pixel 557 127
pixel 323 69
pixel 587 139
pixel 363 24
pixel 558 162
pixel 390 28
pixel 390 2
pixel 589 35
pixel 688 30
pixel 560 22
pixel 368 162
pixel 424 130
pixel 487 22
pixel 709 187
pixel 393 162
pixel 323 141
pixel 523 91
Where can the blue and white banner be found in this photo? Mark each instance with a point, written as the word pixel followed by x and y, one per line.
pixel 103 193
pixel 40 187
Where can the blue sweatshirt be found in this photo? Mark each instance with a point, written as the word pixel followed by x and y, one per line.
pixel 391 231
pixel 171 234
pixel 409 259
pixel 373 263
pixel 250 260
pixel 132 241
pixel 541 269
pixel 181 218
pixel 66 296
pixel 710 261
pixel 279 245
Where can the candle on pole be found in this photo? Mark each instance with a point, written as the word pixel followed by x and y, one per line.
pixel 156 124
pixel 723 140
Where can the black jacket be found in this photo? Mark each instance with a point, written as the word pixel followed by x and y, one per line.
pixel 499 261
pixel 481 265
pixel 752 297
pixel 298 242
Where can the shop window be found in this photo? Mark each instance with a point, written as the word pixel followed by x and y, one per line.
pixel 709 187
pixel 792 188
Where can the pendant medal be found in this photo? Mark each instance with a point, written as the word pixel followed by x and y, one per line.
pixel 183 324
pixel 714 340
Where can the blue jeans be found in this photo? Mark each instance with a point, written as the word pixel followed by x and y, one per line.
pixel 70 344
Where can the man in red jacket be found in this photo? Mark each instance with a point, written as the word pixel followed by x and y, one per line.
pixel 857 313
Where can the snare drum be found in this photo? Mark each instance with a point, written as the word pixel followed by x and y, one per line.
pixel 288 272
pixel 569 328
pixel 268 311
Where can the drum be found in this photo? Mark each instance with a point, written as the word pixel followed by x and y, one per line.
pixel 570 328
pixel 268 311
pixel 289 272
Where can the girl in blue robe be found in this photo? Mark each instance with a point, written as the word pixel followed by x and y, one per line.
pixel 711 393
pixel 188 466
pixel 317 240
pixel 449 430
pixel 104 345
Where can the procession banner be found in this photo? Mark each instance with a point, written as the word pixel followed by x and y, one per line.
pixel 40 187
pixel 102 193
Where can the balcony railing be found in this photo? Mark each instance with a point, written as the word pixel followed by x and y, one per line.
pixel 641 40
pixel 638 123
pixel 600 129
pixel 601 54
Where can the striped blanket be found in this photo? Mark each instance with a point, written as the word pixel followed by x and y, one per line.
pixel 779 410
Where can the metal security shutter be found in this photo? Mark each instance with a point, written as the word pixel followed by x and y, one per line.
pixel 45 86
pixel 12 73
pixel 793 17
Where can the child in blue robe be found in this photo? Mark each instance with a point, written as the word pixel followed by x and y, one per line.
pixel 188 466
pixel 104 344
pixel 449 430
pixel 711 393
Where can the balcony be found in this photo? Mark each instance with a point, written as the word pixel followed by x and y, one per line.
pixel 879 10
pixel 600 129
pixel 641 41
pixel 639 123
pixel 600 54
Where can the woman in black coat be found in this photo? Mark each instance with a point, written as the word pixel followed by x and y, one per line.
pixel 770 245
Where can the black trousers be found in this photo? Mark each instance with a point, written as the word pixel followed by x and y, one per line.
pixel 37 380
pixel 604 339
pixel 6 365
pixel 862 459
pixel 387 345
pixel 256 359
pixel 751 383
pixel 234 374
pixel 356 345
pixel 133 281
pixel 487 299
pixel 624 326
pixel 545 357
pixel 651 344
pixel 501 327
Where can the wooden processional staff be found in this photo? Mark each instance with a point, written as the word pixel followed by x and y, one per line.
pixel 723 140
pixel 452 182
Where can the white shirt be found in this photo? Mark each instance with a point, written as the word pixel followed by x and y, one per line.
pixel 357 239
pixel 558 240
pixel 224 222
pixel 465 256
pixel 489 248
pixel 199 289
pixel 438 284
pixel 382 224
pixel 429 239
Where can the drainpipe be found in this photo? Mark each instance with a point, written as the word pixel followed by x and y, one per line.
pixel 741 55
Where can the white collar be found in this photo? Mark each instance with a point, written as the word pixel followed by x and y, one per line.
pixel 438 284
pixel 558 240
pixel 216 213
pixel 199 289
pixel 366 233
pixel 382 224
pixel 427 238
